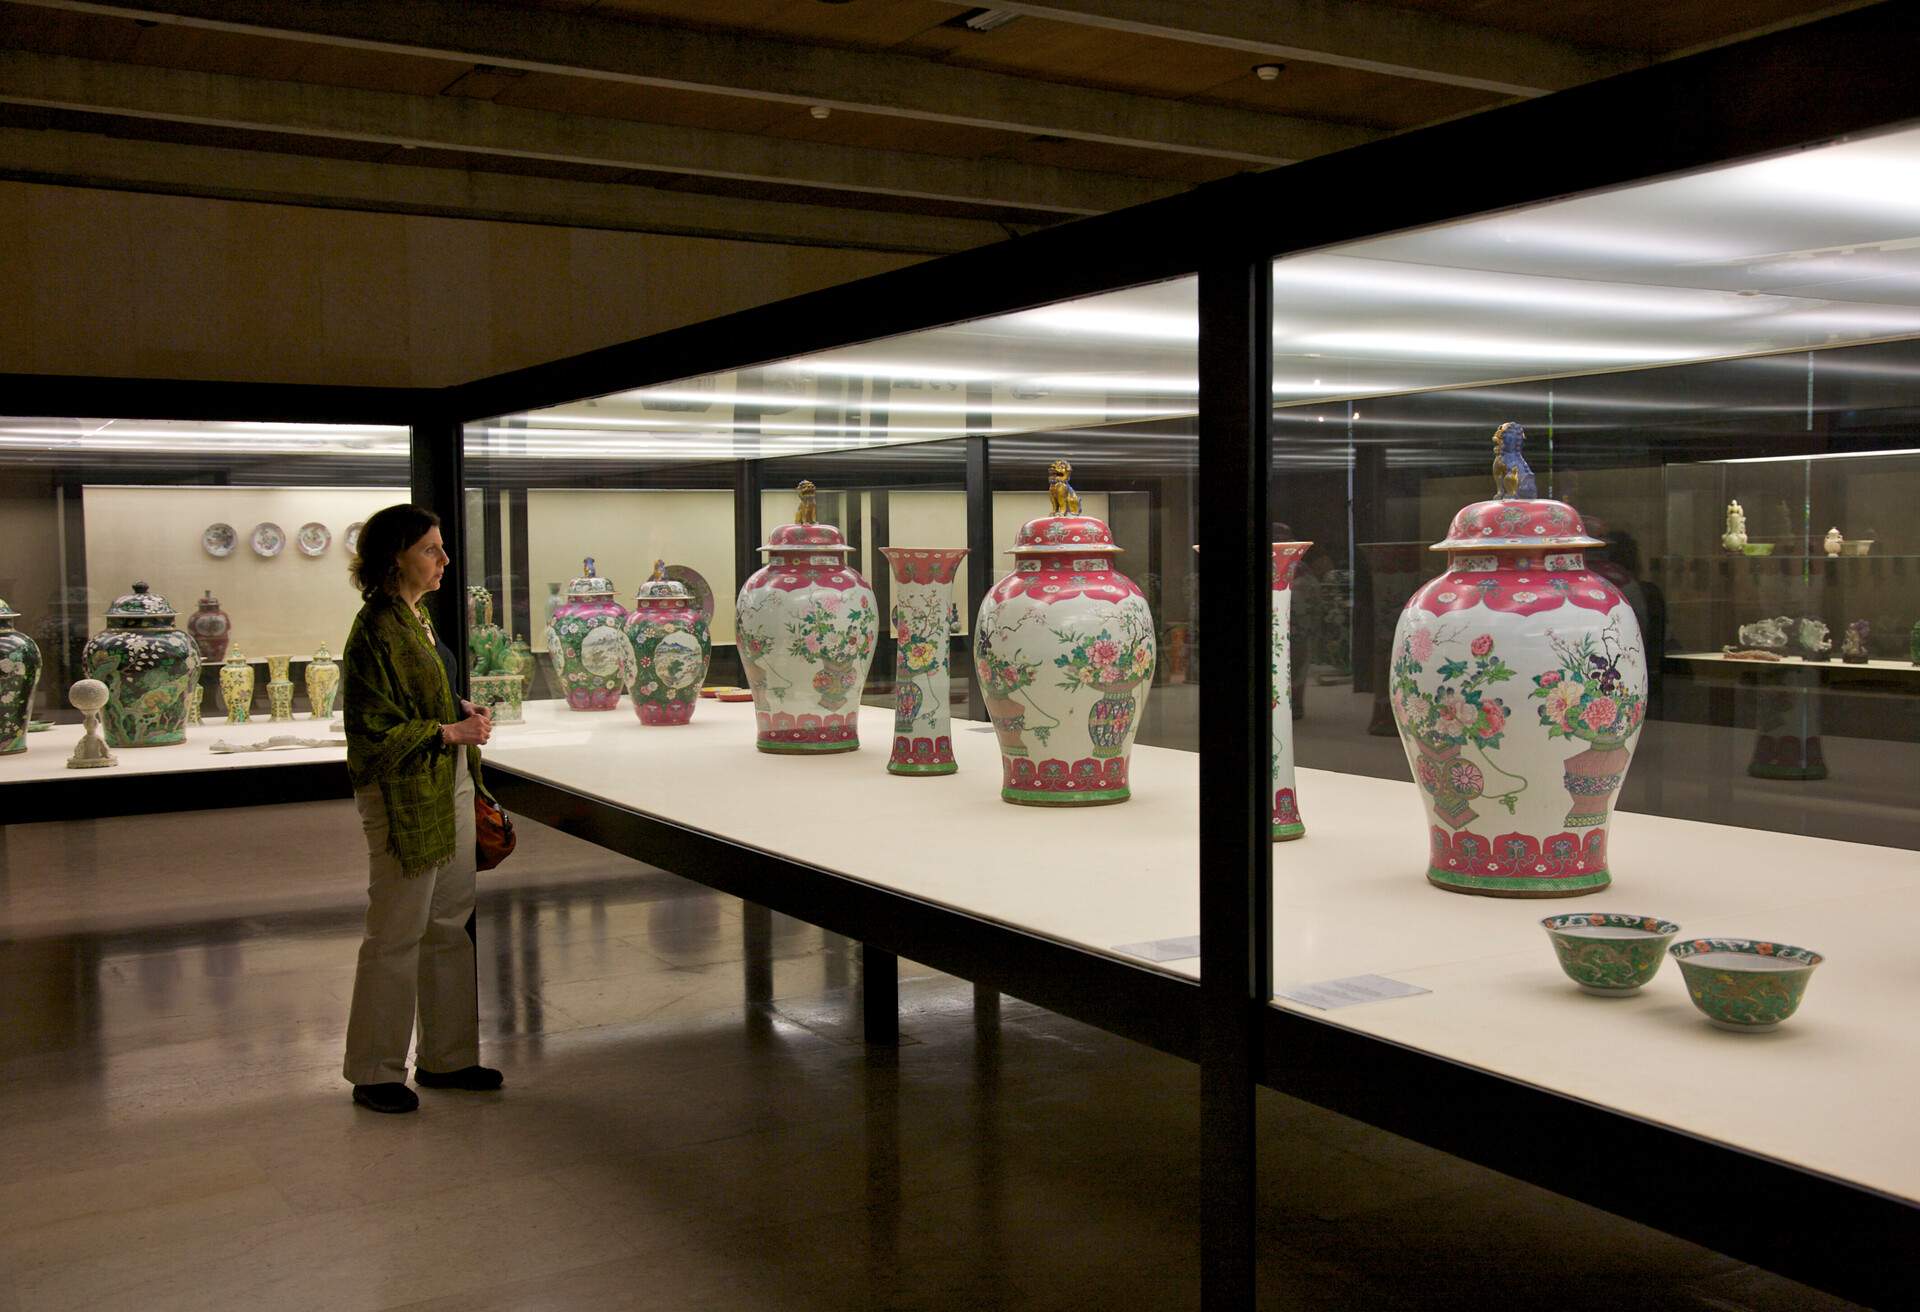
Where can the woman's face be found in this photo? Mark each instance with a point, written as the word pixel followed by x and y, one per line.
pixel 422 564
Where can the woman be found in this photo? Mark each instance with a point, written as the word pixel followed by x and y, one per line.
pixel 415 762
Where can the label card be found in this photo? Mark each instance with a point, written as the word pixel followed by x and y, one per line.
pixel 1327 994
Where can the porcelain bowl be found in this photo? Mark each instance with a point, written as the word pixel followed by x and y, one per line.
pixel 1758 548
pixel 1856 546
pixel 1607 953
pixel 1742 984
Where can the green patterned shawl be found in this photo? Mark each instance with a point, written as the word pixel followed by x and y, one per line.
pixel 395 700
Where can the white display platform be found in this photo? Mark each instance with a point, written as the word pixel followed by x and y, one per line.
pixel 47 752
pixel 1795 663
pixel 1829 1091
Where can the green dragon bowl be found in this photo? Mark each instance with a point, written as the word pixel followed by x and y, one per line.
pixel 1607 953
pixel 1745 984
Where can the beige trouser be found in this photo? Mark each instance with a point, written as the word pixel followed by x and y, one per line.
pixel 416 952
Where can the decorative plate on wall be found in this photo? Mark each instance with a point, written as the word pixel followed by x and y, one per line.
pixel 696 584
pixel 219 539
pixel 352 536
pixel 313 539
pixel 269 539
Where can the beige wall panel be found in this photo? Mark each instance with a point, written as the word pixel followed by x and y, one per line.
pixel 286 605
pixel 124 283
pixel 625 532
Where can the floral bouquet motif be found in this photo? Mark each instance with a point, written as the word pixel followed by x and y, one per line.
pixel 1100 660
pixel 835 641
pixel 1588 697
pixel 1460 713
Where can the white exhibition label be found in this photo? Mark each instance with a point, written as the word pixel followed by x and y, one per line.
pixel 1163 949
pixel 1326 994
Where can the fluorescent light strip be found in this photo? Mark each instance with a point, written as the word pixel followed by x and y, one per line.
pixel 1824 455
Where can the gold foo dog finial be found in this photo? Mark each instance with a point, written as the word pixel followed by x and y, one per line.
pixel 808 513
pixel 1060 493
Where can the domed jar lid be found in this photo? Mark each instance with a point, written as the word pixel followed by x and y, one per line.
pixel 806 533
pixel 140 608
pixel 1066 532
pixel 1517 516
pixel 7 614
pixel 659 590
pixel 589 586
pixel 209 601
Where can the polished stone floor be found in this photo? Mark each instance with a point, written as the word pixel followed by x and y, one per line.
pixel 174 1132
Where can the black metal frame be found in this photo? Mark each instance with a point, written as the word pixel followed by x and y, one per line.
pixel 1848 74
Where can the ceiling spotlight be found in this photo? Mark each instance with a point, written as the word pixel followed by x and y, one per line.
pixel 1268 72
pixel 985 20
pixel 819 111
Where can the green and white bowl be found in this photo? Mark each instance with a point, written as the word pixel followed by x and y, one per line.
pixel 1608 953
pixel 1743 984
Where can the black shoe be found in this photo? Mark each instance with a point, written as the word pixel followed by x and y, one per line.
pixel 475 1079
pixel 386 1097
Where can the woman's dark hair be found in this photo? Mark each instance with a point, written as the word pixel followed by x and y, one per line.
pixel 384 538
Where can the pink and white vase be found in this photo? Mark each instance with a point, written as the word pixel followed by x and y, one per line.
pixel 671 650
pixel 807 622
pixel 588 644
pixel 1286 805
pixel 1515 654
pixel 924 621
pixel 1064 651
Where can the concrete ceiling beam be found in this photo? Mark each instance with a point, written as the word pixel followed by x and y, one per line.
pixel 862 81
pixel 1375 38
pixel 477 126
pixel 79 159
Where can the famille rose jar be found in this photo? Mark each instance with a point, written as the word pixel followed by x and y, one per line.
pixel 1064 651
pixel 147 665
pixel 1286 808
pixel 924 621
pixel 1519 682
pixel 19 675
pixel 587 643
pixel 211 629
pixel 807 622
pixel 671 648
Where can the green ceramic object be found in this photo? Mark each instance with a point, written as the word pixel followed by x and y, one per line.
pixel 1607 953
pixel 147 665
pixel 19 673
pixel 1744 984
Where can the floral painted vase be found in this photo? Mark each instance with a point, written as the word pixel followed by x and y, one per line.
pixel 1286 807
pixel 1519 683
pixel 588 644
pixel 671 650
pixel 923 626
pixel 807 622
pixel 323 685
pixel 279 689
pixel 1064 652
pixel 479 606
pixel 19 675
pixel 147 665
pixel 212 630
pixel 236 688
pixel 520 661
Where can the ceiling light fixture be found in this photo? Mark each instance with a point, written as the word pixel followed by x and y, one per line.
pixel 986 20
pixel 1268 72
pixel 819 111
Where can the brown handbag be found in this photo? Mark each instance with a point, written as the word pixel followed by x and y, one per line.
pixel 492 833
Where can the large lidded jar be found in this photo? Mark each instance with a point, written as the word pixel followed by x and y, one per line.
pixel 807 622
pixel 211 629
pixel 671 650
pixel 1064 651
pixel 1287 823
pixel 19 675
pixel 1519 683
pixel 588 645
pixel 147 665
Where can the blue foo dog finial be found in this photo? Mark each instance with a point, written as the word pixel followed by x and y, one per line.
pixel 1511 476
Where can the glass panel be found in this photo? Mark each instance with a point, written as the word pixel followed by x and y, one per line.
pixel 880 437
pixel 246 522
pixel 1664 666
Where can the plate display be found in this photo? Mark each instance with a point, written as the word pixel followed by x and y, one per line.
pixel 219 539
pixel 313 539
pixel 696 585
pixel 268 539
pixel 352 536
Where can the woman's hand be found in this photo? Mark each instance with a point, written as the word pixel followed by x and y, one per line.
pixel 470 732
pixel 475 708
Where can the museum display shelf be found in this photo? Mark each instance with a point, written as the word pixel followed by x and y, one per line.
pixel 37 785
pixel 1836 665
